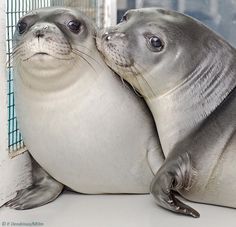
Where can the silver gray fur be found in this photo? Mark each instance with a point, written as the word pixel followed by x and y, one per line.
pixel 190 88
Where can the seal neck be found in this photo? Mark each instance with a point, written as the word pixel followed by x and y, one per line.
pixel 58 76
pixel 179 112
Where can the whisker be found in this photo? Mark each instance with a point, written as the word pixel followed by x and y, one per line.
pixel 14 53
pixel 143 94
pixel 139 75
pixel 95 37
pixel 136 92
pixel 85 60
pixel 126 75
pixel 131 85
pixel 17 47
pixel 81 52
pixel 11 56
pixel 134 88
pixel 79 45
pixel 123 82
pixel 121 78
pixel 74 50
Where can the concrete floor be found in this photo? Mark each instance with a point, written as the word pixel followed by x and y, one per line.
pixel 72 209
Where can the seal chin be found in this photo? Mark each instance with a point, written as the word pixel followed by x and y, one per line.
pixel 41 67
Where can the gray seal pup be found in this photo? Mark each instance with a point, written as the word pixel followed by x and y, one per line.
pixel 82 126
pixel 187 75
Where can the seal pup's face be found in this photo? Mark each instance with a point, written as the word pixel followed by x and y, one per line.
pixel 50 42
pixel 155 49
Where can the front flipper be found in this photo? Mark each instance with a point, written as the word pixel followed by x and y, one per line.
pixel 175 175
pixel 43 190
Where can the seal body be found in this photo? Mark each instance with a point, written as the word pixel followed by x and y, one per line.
pixel 187 75
pixel 79 122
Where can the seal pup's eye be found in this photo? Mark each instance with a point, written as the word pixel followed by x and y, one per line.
pixel 21 26
pixel 155 43
pixel 74 26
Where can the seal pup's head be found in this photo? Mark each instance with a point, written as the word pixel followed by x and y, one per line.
pixel 157 50
pixel 49 43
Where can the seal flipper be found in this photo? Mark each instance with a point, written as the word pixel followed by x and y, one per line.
pixel 175 175
pixel 43 190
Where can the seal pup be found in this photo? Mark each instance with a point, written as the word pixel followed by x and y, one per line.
pixel 187 75
pixel 79 122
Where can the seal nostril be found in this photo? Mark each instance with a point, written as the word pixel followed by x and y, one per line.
pixel 45 27
pixel 39 34
pixel 106 36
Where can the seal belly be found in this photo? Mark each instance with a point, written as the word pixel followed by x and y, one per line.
pixel 74 138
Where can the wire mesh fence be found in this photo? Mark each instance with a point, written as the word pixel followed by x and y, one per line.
pixel 14 10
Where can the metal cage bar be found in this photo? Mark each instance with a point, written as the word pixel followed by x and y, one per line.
pixel 14 174
pixel 3 86
pixel 14 10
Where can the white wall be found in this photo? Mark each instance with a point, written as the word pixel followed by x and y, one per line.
pixel 15 173
pixel 110 13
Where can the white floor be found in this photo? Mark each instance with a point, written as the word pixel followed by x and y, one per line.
pixel 76 210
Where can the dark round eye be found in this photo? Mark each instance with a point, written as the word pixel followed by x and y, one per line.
pixel 21 26
pixel 156 43
pixel 74 26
